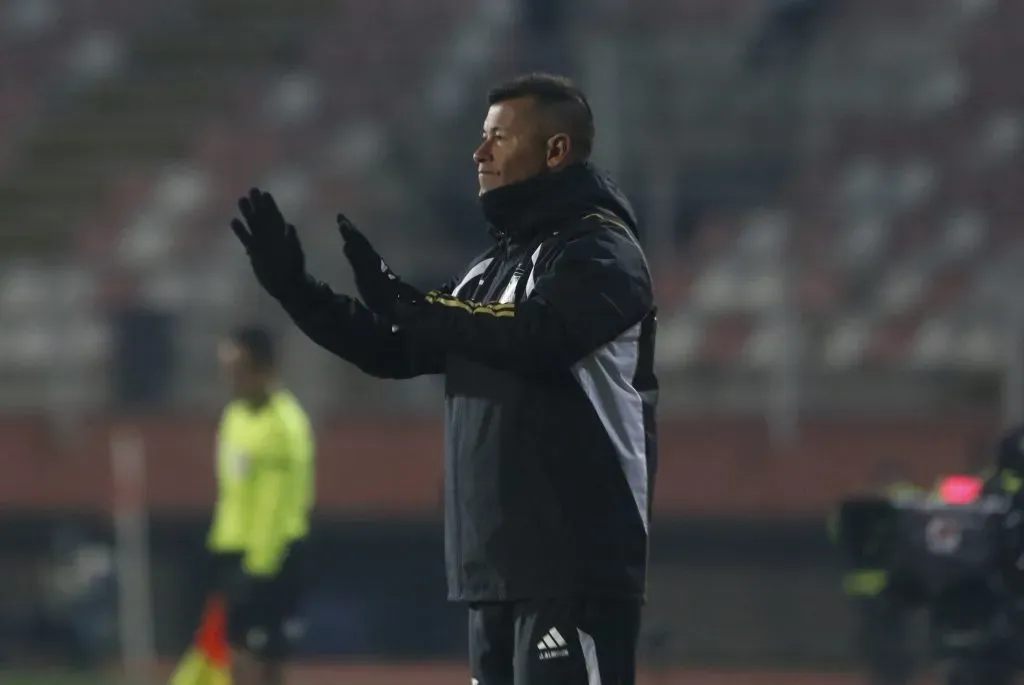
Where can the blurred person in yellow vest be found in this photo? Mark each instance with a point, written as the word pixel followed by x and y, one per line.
pixel 883 630
pixel 265 478
pixel 1006 475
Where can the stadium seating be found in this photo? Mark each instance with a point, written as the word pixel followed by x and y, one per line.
pixel 893 213
pixel 48 48
pixel 899 233
pixel 136 169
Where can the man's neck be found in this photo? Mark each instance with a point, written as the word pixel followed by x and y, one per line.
pixel 517 211
pixel 258 399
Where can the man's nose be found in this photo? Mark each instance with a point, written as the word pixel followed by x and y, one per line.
pixel 482 153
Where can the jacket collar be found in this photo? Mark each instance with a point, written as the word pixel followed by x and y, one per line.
pixel 518 212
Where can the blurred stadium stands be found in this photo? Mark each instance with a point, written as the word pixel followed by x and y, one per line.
pixel 852 196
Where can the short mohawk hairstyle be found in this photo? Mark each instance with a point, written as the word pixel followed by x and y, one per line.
pixel 559 97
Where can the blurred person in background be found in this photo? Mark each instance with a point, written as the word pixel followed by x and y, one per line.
pixel 547 345
pixel 883 617
pixel 1005 475
pixel 543 25
pixel 81 614
pixel 787 30
pixel 265 472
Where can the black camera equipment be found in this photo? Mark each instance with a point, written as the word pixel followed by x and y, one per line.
pixel 960 562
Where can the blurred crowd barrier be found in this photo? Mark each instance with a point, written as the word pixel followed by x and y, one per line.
pixel 742 572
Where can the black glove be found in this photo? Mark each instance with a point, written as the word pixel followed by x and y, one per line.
pixel 272 245
pixel 378 285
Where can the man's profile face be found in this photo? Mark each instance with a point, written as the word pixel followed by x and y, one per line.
pixel 513 148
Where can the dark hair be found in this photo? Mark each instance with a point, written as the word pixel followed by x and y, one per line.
pixel 561 99
pixel 257 343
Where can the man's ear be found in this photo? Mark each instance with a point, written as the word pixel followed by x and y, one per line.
pixel 559 150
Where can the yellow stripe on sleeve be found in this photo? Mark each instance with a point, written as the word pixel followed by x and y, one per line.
pixel 498 310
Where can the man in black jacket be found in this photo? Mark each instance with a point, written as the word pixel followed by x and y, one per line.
pixel 546 342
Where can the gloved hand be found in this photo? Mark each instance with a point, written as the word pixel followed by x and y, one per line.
pixel 378 285
pixel 272 245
